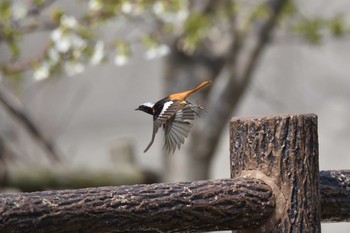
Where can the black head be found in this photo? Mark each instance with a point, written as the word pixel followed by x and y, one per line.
pixel 146 107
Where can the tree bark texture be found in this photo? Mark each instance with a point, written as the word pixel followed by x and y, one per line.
pixel 187 206
pixel 282 151
pixel 335 196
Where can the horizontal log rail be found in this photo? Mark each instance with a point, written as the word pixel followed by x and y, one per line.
pixel 335 196
pixel 186 206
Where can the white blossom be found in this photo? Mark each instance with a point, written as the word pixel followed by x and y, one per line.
pixel 77 41
pixel 73 68
pixel 120 59
pixel 19 11
pixel 182 15
pixel 63 45
pixel 53 55
pixel 56 35
pixel 151 53
pixel 126 7
pixel 156 52
pixel 42 72
pixel 69 21
pixel 176 17
pixel 158 8
pixel 63 42
pixel 98 54
pixel 163 50
pixel 95 5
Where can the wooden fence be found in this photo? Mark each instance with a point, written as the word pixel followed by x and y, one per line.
pixel 275 186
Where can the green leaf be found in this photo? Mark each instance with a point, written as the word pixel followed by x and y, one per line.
pixel 290 8
pixel 15 50
pixel 56 15
pixel 337 26
pixel 123 48
pixel 310 29
pixel 149 41
pixel 195 29
pixel 260 12
pixel 39 2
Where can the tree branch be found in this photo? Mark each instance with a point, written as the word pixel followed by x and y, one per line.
pixel 14 108
pixel 207 135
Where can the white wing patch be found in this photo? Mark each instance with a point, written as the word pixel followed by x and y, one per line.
pixel 166 107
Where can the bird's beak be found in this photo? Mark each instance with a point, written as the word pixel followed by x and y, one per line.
pixel 136 109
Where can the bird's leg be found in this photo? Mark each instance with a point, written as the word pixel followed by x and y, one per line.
pixel 195 107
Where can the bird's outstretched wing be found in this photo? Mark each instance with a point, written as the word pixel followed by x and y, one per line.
pixel 169 109
pixel 176 129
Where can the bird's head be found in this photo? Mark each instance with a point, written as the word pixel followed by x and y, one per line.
pixel 146 107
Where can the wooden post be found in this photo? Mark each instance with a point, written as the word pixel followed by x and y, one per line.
pixel 283 152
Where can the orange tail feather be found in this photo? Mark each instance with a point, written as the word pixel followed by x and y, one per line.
pixel 184 95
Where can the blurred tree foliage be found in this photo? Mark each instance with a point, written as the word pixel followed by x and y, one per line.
pixel 75 42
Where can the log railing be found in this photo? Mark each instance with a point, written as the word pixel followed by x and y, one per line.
pixel 275 186
pixel 185 206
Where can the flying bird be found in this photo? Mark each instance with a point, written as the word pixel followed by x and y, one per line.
pixel 175 114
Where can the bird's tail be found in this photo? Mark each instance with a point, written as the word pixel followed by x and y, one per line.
pixel 183 95
pixel 200 87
